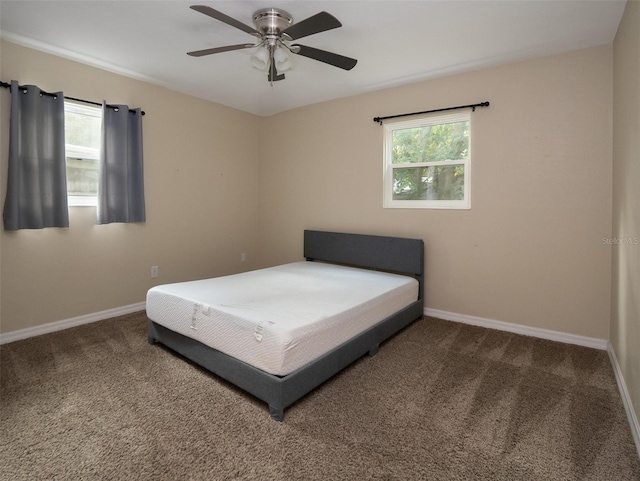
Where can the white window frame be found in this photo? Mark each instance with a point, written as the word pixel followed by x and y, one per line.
pixel 82 152
pixel 389 202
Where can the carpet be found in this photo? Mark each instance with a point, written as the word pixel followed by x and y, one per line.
pixel 439 401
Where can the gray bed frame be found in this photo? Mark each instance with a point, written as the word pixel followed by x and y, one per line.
pixel 393 254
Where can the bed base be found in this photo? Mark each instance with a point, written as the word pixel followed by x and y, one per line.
pixel 279 392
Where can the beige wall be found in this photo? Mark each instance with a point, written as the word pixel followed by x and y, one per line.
pixel 201 186
pixel 625 305
pixel 530 249
pixel 528 252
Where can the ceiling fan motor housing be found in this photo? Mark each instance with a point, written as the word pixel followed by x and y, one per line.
pixel 271 21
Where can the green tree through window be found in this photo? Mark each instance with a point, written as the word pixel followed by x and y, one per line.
pixel 427 160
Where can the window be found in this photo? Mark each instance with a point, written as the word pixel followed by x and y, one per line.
pixel 83 126
pixel 427 163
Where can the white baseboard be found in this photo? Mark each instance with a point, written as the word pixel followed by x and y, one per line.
pixel 596 343
pixel 626 398
pixel 593 342
pixel 67 323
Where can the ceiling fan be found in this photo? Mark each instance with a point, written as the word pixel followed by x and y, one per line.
pixel 275 30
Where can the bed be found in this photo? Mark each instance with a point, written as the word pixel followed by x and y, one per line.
pixel 280 332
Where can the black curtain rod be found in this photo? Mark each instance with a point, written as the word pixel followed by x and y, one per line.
pixel 8 86
pixel 472 106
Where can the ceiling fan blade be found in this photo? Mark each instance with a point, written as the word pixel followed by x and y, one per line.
pixel 273 73
pixel 317 23
pixel 228 48
pixel 334 59
pixel 225 18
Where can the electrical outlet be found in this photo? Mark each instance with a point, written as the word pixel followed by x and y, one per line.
pixel 154 272
pixel 243 257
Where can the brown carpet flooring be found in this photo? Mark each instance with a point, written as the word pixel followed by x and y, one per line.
pixel 440 401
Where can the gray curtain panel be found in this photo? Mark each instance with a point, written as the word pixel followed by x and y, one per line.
pixel 121 181
pixel 37 176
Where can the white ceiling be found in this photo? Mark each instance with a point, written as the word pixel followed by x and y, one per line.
pixel 395 41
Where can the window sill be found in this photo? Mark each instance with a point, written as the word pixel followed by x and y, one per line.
pixel 81 201
pixel 417 204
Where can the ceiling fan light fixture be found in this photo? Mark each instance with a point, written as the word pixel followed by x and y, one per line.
pixel 260 59
pixel 282 59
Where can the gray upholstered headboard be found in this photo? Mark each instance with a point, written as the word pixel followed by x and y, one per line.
pixel 397 254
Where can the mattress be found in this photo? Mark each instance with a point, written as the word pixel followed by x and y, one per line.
pixel 280 318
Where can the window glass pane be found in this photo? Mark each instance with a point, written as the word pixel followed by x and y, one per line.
pixel 445 182
pixel 82 177
pixel 83 126
pixel 433 143
pixel 81 129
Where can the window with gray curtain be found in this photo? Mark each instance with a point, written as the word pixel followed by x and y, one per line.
pixel 121 181
pixel 37 177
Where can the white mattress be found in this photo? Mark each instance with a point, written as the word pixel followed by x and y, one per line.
pixel 280 318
